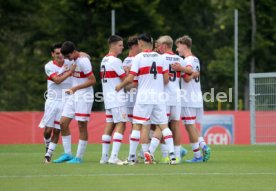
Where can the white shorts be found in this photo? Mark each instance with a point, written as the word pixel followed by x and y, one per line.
pixel 52 114
pixel 130 113
pixel 191 115
pixel 79 109
pixel 143 113
pixel 116 115
pixel 173 112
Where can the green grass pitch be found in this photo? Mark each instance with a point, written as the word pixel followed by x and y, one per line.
pixel 230 168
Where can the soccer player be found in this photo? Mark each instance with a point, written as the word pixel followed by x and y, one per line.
pixel 58 71
pixel 173 103
pixel 133 51
pixel 191 99
pixel 149 105
pixel 78 105
pixel 112 73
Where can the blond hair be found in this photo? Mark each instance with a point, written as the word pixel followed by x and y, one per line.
pixel 167 40
pixel 184 40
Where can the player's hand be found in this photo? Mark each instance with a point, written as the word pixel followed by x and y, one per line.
pixel 73 67
pixel 195 75
pixel 70 91
pixel 176 66
pixel 118 87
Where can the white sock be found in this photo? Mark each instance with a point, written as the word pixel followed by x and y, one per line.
pixel 47 141
pixel 117 141
pixel 105 146
pixel 134 142
pixel 51 149
pixel 145 147
pixel 195 148
pixel 177 151
pixel 151 132
pixel 153 144
pixel 81 148
pixel 66 142
pixel 201 142
pixel 168 138
pixel 164 150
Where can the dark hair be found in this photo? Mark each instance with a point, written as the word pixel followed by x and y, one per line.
pixel 146 37
pixel 67 47
pixel 132 40
pixel 114 38
pixel 55 46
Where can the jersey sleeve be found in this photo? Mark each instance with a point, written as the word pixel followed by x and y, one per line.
pixel 85 66
pixel 135 66
pixel 118 68
pixel 188 62
pixel 50 71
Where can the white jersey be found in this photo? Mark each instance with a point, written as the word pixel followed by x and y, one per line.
pixel 172 89
pixel 131 94
pixel 82 71
pixel 149 67
pixel 56 91
pixel 111 73
pixel 191 95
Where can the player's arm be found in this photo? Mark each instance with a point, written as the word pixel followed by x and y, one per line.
pixel 134 84
pixel 84 54
pixel 58 79
pixel 91 81
pixel 166 78
pixel 129 79
pixel 187 78
pixel 187 69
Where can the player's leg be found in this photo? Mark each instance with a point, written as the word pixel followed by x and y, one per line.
pixel 106 137
pixel 47 136
pixel 120 118
pixel 189 118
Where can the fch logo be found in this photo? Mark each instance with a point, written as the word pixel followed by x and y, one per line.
pixel 218 129
pixel 217 135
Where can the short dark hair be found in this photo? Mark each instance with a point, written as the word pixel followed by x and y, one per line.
pixel 67 47
pixel 146 37
pixel 132 40
pixel 114 38
pixel 55 46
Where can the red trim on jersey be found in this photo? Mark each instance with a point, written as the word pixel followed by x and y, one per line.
pixel 106 142
pixel 51 76
pixel 82 114
pixel 166 71
pixel 135 81
pixel 129 115
pixel 189 118
pixel 168 137
pixel 147 51
pixel 81 74
pixel 122 75
pixel 109 74
pixel 196 150
pixel 189 65
pixel 146 70
pixel 133 73
pixel 185 75
pixel 117 140
pixel 56 122
pixel 168 114
pixel 56 63
pixel 171 53
pixel 140 118
pixel 108 116
pixel 133 139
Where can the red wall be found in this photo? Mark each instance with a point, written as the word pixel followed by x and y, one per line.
pixel 22 127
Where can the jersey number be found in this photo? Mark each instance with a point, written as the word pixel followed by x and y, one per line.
pixel 104 72
pixel 153 70
pixel 171 71
pixel 197 78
